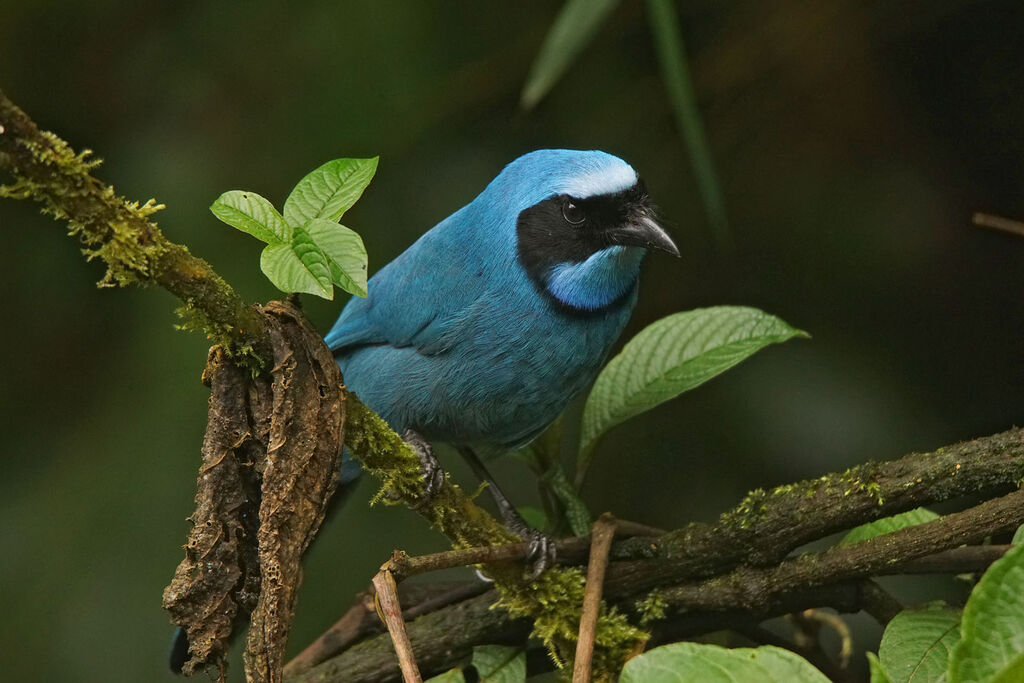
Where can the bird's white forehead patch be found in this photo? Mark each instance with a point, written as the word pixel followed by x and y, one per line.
pixel 606 179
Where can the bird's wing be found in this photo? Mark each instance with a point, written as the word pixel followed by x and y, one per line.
pixel 414 301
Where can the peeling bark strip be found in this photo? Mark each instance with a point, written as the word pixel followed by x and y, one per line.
pixel 220 572
pixel 270 463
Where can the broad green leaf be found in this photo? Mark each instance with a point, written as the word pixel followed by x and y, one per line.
pixel 888 524
pixel 668 39
pixel 687 662
pixel 346 255
pixel 329 191
pixel 1018 536
pixel 499 664
pixel 916 644
pixel 991 646
pixel 298 266
pixel 253 214
pixel 670 356
pixel 574 27
pixel 878 672
pixel 450 676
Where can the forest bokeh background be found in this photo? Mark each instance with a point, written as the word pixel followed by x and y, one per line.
pixel 853 141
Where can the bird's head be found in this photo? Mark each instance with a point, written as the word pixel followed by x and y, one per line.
pixel 583 224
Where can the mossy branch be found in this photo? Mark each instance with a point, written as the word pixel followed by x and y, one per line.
pixel 553 601
pixel 122 234
pixel 735 573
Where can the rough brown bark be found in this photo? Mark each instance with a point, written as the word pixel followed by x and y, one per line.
pixel 270 464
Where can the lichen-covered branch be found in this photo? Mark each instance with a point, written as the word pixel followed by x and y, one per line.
pixel 44 168
pixel 768 525
pixel 735 572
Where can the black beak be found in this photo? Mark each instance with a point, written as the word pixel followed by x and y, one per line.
pixel 643 231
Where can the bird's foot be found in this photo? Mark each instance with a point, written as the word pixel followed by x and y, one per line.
pixel 433 473
pixel 541 552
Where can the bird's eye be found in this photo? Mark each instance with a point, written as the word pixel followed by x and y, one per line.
pixel 573 213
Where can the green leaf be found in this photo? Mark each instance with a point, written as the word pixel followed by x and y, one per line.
pixel 298 266
pixel 1018 536
pixel 670 356
pixel 576 511
pixel 887 525
pixel 534 516
pixel 329 191
pixel 346 255
pixel 499 664
pixel 450 676
pixel 916 644
pixel 686 662
pixel 668 39
pixel 878 672
pixel 253 214
pixel 574 27
pixel 991 646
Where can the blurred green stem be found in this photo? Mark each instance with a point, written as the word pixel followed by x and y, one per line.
pixel 668 39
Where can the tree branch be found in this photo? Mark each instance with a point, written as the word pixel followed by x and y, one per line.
pixel 119 232
pixel 740 577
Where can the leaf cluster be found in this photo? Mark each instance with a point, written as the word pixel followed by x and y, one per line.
pixel 307 250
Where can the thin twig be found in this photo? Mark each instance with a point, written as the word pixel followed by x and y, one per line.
pixel 839 626
pixel 387 593
pixel 601 535
pixel 762 636
pixel 987 220
pixel 403 566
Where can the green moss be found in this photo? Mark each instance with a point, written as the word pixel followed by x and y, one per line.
pixel 746 514
pixel 862 479
pixel 554 601
pixel 193 319
pixel 652 608
pixel 106 225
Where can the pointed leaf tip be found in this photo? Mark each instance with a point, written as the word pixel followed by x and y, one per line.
pixel 670 356
pixel 329 191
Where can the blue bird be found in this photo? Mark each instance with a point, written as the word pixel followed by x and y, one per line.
pixel 482 331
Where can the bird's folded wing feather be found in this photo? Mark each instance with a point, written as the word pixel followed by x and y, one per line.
pixel 415 300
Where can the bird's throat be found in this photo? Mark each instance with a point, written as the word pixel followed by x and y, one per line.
pixel 597 282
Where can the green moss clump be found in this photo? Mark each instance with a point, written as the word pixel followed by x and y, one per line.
pixel 746 514
pixel 106 225
pixel 652 608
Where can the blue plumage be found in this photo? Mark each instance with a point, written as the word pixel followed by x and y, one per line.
pixel 483 330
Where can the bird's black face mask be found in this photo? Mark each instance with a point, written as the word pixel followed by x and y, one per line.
pixel 565 229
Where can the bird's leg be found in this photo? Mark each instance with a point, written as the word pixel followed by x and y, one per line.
pixel 433 474
pixel 541 549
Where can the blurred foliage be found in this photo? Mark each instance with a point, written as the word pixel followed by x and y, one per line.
pixel 853 141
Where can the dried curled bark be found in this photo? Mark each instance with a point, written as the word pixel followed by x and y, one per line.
pixel 270 461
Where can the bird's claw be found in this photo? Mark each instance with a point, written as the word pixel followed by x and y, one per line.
pixel 433 473
pixel 540 551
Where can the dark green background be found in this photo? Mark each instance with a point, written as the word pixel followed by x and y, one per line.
pixel 853 140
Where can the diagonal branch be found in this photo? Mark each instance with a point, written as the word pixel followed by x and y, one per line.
pixel 119 232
